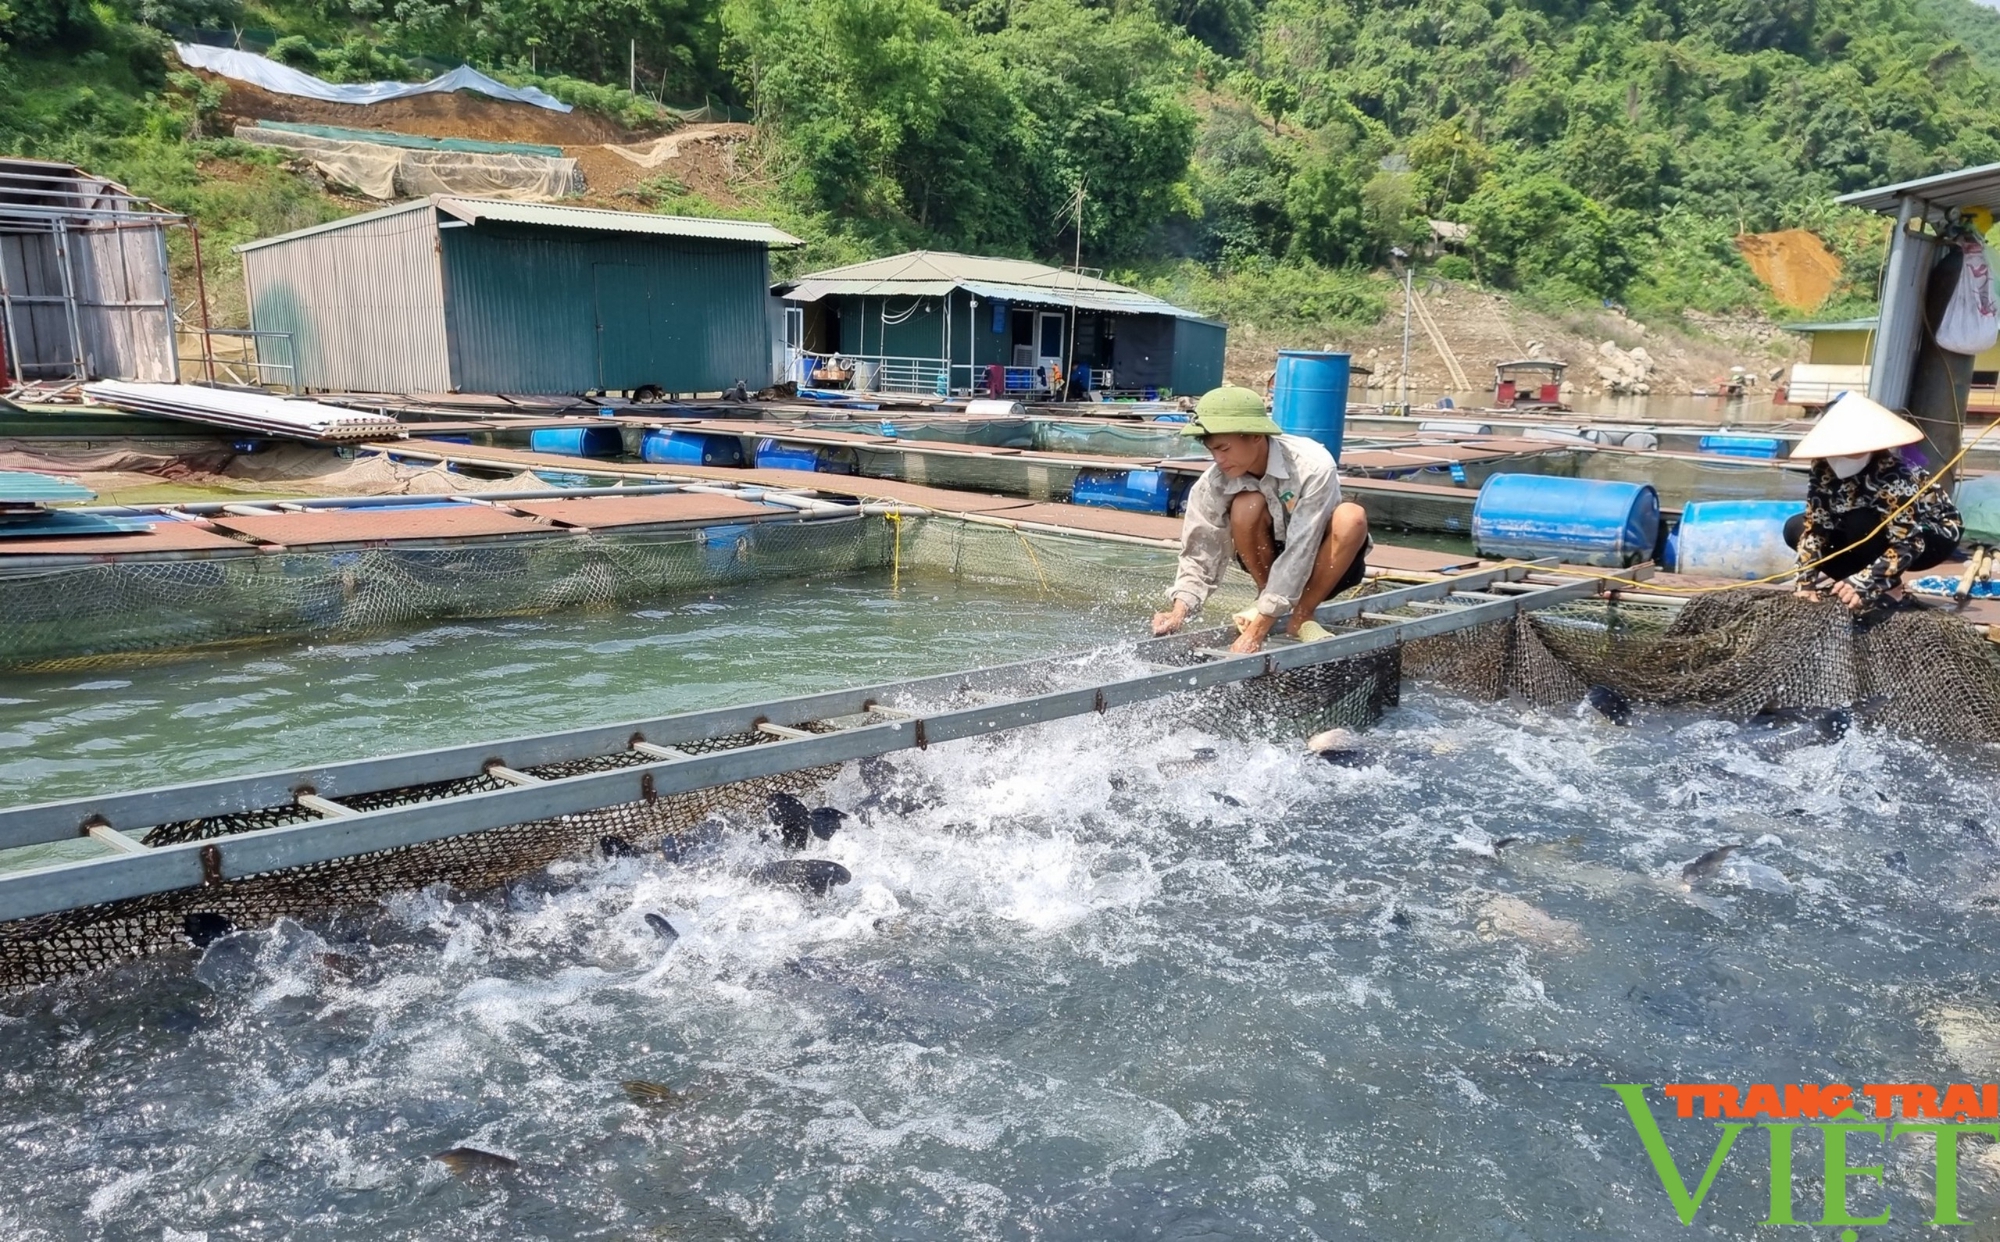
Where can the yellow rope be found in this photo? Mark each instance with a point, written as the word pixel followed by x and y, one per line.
pixel 1893 514
pixel 896 557
pixel 1033 560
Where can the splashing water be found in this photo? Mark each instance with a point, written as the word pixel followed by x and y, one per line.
pixel 1066 996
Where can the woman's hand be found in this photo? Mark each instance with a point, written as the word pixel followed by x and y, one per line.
pixel 1847 594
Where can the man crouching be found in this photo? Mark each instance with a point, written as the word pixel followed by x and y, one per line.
pixel 1275 500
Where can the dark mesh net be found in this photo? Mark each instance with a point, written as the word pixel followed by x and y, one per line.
pixel 1735 654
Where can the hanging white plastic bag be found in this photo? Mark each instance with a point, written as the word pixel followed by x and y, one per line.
pixel 1971 323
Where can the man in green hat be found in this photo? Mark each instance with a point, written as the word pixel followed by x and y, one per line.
pixel 1274 500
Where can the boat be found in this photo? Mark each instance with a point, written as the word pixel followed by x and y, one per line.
pixel 1529 384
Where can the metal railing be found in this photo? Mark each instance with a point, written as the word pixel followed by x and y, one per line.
pixel 244 365
pixel 869 372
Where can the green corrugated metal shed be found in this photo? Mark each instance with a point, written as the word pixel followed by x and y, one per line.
pixel 477 295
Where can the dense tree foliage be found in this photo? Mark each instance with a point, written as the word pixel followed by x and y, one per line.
pixel 1595 148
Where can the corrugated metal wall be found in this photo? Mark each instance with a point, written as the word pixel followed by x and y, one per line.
pixel 124 302
pixel 1198 355
pixel 364 304
pixel 123 313
pixel 557 311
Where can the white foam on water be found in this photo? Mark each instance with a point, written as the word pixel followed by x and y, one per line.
pixel 1059 974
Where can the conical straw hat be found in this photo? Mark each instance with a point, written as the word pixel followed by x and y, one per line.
pixel 1855 425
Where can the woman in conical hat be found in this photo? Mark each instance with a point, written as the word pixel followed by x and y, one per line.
pixel 1858 480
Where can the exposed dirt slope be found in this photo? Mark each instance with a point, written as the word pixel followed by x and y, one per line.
pixel 460 114
pixel 1793 264
pixel 703 158
pixel 1482 328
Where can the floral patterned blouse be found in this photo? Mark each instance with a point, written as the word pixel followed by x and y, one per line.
pixel 1882 487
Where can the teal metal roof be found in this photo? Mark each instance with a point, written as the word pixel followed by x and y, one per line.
pixel 22 487
pixel 934 273
pixel 553 215
pixel 1834 325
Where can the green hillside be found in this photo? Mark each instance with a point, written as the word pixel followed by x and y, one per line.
pixel 1261 157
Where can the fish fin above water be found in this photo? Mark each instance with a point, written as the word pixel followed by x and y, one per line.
pixel 663 929
pixel 205 927
pixel 792 818
pixel 1708 863
pixel 827 820
pixel 466 1161
pixel 651 1094
pixel 1610 704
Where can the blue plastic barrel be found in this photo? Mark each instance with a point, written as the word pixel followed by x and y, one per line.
pixel 578 441
pixel 1135 491
pixel 774 455
pixel 1734 538
pixel 1582 521
pixel 1979 505
pixel 691 448
pixel 1763 447
pixel 1309 396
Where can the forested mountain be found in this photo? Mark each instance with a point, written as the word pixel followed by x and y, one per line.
pixel 1596 150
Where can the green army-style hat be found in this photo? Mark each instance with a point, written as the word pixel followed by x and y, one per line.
pixel 1230 410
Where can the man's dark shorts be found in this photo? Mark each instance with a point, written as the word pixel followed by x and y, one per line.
pixel 1356 568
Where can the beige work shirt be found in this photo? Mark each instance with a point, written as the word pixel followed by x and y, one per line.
pixel 1300 487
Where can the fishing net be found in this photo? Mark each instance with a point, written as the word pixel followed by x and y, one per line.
pixel 49 946
pixel 1735 654
pixel 116 612
pixel 46 947
pixel 64 616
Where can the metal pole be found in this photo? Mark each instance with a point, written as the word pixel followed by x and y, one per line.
pixel 1895 356
pixel 632 84
pixel 79 370
pixel 167 296
pixel 1403 376
pixel 201 292
pixel 7 305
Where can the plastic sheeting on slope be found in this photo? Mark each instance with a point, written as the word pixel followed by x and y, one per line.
pixel 391 172
pixel 285 80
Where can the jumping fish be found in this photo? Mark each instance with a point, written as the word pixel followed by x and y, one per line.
pixel 794 821
pixel 651 1094
pixel 662 928
pixel 1173 769
pixel 1708 864
pixel 466 1161
pixel 1341 747
pixel 1830 723
pixel 826 821
pixel 1610 704
pixel 809 875
pixel 205 927
pixel 1502 916
pixel 617 847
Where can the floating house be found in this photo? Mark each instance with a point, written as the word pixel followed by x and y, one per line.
pixel 450 294
pixel 1838 360
pixel 84 292
pixel 938 323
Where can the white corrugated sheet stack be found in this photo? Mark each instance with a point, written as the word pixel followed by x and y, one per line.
pixel 239 410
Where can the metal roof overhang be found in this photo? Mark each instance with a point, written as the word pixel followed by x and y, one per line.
pixel 1132 303
pixel 473 210
pixel 1968 187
